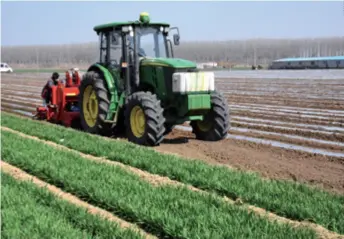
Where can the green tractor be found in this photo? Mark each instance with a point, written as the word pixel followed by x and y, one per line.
pixel 140 89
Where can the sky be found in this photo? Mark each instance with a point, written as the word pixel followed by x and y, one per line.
pixel 59 22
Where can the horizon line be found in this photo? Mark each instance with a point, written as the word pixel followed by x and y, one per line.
pixel 191 41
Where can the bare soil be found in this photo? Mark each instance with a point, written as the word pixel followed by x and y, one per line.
pixel 339 137
pixel 287 118
pixel 314 144
pixel 268 161
pixel 287 101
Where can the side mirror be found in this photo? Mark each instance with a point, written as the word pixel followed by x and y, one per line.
pixel 176 39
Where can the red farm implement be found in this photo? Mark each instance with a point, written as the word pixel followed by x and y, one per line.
pixel 63 107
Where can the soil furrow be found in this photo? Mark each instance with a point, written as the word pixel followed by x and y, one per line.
pixel 18 102
pixel 300 115
pixel 15 89
pixel 21 93
pixel 291 108
pixel 286 139
pixel 278 97
pixel 288 111
pixel 21 97
pixel 283 102
pixel 286 130
pixel 17 107
pixel 317 127
pixel 17 113
pixel 287 118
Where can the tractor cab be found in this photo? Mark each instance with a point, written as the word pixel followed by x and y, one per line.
pixel 126 46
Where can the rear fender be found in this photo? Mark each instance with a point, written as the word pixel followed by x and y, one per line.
pixel 110 84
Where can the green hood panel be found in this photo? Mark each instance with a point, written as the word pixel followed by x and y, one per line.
pixel 168 62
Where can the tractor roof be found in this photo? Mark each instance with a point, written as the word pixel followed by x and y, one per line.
pixel 110 26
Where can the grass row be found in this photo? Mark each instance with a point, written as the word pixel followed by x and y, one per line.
pixel 30 211
pixel 289 199
pixel 166 211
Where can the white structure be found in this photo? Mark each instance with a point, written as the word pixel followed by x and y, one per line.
pixel 200 65
pixel 332 62
pixel 206 65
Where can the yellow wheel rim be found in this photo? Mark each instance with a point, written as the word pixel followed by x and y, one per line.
pixel 204 125
pixel 137 121
pixel 90 106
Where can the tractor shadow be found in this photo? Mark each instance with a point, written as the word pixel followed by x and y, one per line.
pixel 176 140
pixel 177 137
pixel 169 139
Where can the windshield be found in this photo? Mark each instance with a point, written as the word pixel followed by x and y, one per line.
pixel 151 42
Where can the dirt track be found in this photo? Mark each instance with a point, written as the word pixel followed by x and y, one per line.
pixel 285 108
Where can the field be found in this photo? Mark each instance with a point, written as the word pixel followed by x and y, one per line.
pixel 284 155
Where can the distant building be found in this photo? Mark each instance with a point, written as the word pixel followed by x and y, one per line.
pixel 200 65
pixel 331 62
pixel 207 65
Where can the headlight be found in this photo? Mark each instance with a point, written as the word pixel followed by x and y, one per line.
pixel 183 82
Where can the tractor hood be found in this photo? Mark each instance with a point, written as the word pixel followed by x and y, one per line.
pixel 168 62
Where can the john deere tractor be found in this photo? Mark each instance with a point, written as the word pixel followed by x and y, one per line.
pixel 140 88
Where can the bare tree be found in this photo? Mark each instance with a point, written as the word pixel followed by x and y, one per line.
pixel 234 52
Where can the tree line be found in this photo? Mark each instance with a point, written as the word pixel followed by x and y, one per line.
pixel 232 52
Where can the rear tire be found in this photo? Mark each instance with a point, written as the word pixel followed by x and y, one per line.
pixel 92 118
pixel 216 124
pixel 144 119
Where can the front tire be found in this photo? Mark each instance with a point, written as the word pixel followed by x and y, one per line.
pixel 94 101
pixel 144 119
pixel 216 123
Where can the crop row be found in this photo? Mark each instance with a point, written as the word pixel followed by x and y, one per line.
pixel 167 211
pixel 289 199
pixel 27 210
